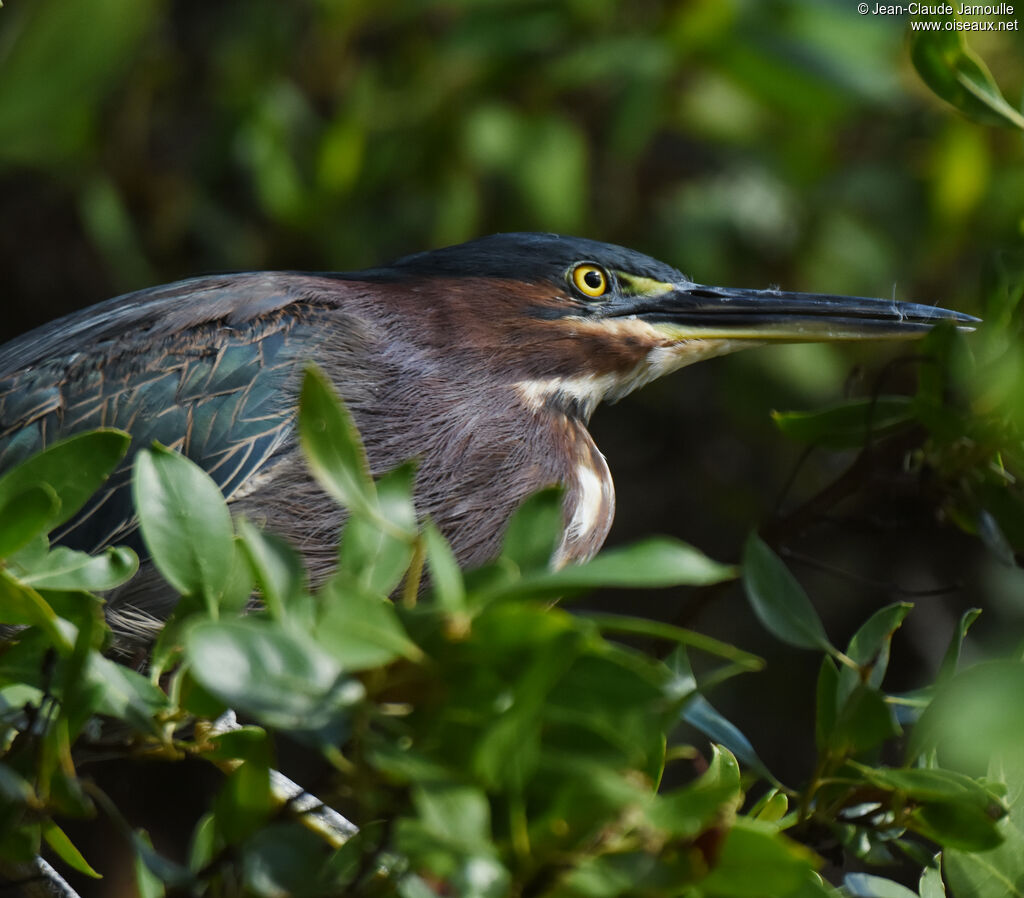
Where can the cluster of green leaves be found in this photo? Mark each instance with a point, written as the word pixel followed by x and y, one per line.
pixel 967 409
pixel 484 741
pixel 884 814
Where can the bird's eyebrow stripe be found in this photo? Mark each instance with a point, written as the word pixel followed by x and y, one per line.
pixel 638 285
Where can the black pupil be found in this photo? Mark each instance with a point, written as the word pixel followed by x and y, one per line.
pixel 593 279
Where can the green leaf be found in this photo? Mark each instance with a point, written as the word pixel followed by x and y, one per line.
pixel 124 694
pixel 480 876
pixel 332 446
pixel 282 679
pixel 622 726
pixel 713 797
pixel 931 885
pixel 74 468
pixel 756 861
pixel 456 814
pixel 955 810
pixel 869 648
pixel 237 593
pixel 535 530
pixel 864 722
pixel 285 859
pixel 65 849
pixel 510 748
pixel 247 743
pixel 203 842
pixel 153 870
pixel 147 883
pixel 375 556
pixel 957 825
pixel 25 515
pixel 968 718
pixel 934 785
pixel 639 626
pixel 652 563
pixel 64 569
pixel 865 885
pixel 32 553
pixel 445 577
pixel 826 703
pixel 699 713
pixel 624 873
pixel 998 872
pixel 197 701
pixel 185 523
pixel 21 844
pixel 21 605
pixel 507 753
pixel 774 807
pixel 847 426
pixel 951 660
pixel 245 802
pixel 83 609
pixel 361 630
pixel 951 70
pixel 778 600
pixel 278 567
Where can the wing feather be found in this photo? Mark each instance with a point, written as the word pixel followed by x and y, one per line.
pixel 208 366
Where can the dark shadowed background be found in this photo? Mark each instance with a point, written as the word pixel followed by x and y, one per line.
pixel 748 143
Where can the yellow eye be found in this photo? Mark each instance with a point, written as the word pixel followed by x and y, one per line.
pixel 590 280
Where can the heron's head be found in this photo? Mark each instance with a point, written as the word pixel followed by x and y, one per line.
pixel 570 322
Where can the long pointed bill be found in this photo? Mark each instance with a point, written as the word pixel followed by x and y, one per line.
pixel 699 312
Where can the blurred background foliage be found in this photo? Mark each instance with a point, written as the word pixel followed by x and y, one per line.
pixel 748 142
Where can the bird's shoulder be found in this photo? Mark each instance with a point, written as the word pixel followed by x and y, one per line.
pixel 169 312
pixel 208 366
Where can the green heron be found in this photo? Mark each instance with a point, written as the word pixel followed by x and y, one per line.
pixel 485 361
